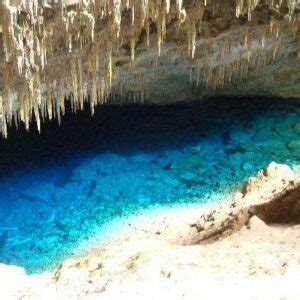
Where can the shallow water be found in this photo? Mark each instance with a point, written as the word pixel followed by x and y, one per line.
pixel 60 189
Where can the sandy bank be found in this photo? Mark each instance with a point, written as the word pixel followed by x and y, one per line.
pixel 246 248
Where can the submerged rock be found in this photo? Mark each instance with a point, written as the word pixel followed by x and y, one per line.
pixel 296 128
pixel 265 134
pixel 247 167
pixel 191 162
pixel 266 148
pixel 294 146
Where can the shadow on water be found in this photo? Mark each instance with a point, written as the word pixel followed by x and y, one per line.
pixel 128 129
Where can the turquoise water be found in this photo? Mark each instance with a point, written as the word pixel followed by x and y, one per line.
pixel 62 188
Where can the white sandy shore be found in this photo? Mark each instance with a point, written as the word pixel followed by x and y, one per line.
pixel 221 252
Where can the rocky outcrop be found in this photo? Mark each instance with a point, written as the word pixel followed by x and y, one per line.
pixel 135 51
pixel 249 243
pixel 273 196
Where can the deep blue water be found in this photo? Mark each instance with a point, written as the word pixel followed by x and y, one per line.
pixel 60 188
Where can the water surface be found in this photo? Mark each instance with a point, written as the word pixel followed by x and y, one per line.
pixel 61 188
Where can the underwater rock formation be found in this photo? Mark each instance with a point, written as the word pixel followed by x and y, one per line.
pixel 125 51
pixel 249 243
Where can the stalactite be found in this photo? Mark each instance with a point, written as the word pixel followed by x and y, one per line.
pixel 38 65
pixel 249 49
pixel 110 67
pixel 2 118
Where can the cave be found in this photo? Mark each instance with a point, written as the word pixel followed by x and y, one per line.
pixel 121 119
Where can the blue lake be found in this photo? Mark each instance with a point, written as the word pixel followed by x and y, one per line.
pixel 60 189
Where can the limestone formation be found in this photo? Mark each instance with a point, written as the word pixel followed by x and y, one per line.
pixel 273 195
pixel 92 51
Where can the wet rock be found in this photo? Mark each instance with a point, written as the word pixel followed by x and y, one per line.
pixel 226 137
pixel 247 167
pixel 270 146
pixel 144 200
pixel 187 176
pixel 284 128
pixel 296 128
pixel 265 134
pixel 294 147
pixel 41 193
pixel 241 135
pixel 189 163
pixel 74 233
pixel 167 167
